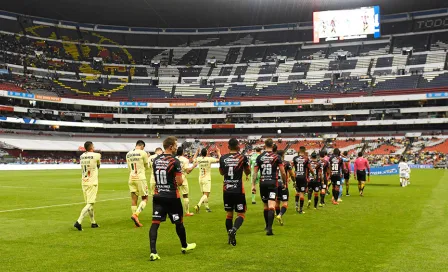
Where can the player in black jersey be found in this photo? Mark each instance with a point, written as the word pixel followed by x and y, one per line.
pixel 337 168
pixel 268 163
pixel 283 192
pixel 166 200
pixel 315 183
pixel 302 169
pixel 232 166
pixel 324 178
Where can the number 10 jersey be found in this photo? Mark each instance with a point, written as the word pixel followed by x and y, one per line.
pixel 166 168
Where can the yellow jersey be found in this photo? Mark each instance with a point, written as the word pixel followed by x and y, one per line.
pixel 137 164
pixel 184 163
pixel 205 168
pixel 90 161
pixel 150 162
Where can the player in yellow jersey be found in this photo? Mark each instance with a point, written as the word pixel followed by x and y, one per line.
pixel 137 160
pixel 90 163
pixel 205 178
pixel 184 163
pixel 152 181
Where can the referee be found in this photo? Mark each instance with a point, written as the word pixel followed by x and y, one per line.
pixel 361 164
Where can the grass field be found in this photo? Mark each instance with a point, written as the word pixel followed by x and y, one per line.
pixel 390 229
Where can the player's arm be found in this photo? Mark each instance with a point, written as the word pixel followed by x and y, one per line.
pixel 221 167
pixel 281 167
pixel 254 178
pixel 218 152
pixel 195 155
pixel 311 170
pixel 188 170
pixel 355 169
pixel 368 167
pixel 246 166
pixel 146 161
pixel 291 175
pixel 98 162
pixel 178 173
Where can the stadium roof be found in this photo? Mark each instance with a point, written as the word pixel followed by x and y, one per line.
pixel 200 13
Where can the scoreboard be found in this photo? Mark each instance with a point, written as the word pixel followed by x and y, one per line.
pixel 346 24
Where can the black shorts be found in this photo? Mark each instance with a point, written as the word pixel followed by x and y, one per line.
pixel 336 180
pixel 314 186
pixel 167 206
pixel 361 175
pixel 283 194
pixel 235 202
pixel 268 193
pixel 324 185
pixel 301 184
pixel 347 176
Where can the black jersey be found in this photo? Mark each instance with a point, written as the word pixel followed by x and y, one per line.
pixel 232 166
pixel 336 165
pixel 288 167
pixel 268 163
pixel 324 168
pixel 166 168
pixel 301 166
pixel 316 166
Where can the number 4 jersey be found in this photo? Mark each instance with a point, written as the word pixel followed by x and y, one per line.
pixel 232 166
pixel 268 163
pixel 166 168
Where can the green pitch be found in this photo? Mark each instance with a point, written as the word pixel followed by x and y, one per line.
pixel 390 229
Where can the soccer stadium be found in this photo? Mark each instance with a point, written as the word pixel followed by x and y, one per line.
pixel 256 135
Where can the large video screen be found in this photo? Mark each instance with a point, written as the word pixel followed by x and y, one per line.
pixel 346 24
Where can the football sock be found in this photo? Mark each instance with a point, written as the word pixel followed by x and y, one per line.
pixel 283 210
pixel 265 212
pixel 133 209
pixel 141 207
pixel 253 197
pixel 84 212
pixel 203 198
pixel 229 223
pixel 186 205
pixel 270 218
pixel 180 230
pixel 316 200
pixel 206 202
pixel 153 237
pixel 302 199
pixel 359 187
pixel 297 200
pixel 322 198
pixel 309 196
pixel 92 215
pixel 362 187
pixel 347 188
pixel 335 195
pixel 238 222
pixel 340 192
pixel 277 210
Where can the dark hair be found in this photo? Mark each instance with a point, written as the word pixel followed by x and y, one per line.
pixel 403 159
pixel 336 152
pixel 322 154
pixel 281 153
pixel 325 152
pixel 302 149
pixel 233 144
pixel 274 148
pixel 141 143
pixel 258 149
pixel 314 155
pixel 269 143
pixel 345 153
pixel 359 154
pixel 180 151
pixel 203 152
pixel 169 141
pixel 88 145
pixel 157 149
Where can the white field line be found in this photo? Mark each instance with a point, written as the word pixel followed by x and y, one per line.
pixel 58 205
pixel 48 188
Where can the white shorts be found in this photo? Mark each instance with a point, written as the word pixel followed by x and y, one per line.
pixel 404 175
pixel 90 192
pixel 205 186
pixel 139 187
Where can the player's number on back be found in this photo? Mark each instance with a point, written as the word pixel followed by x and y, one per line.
pixel 161 177
pixel 230 172
pixel 335 167
pixel 266 169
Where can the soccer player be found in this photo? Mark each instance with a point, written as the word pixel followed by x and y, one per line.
pixel 314 178
pixel 337 168
pixel 253 162
pixel 361 164
pixel 404 172
pixel 346 160
pixel 267 163
pixel 184 162
pixel 152 181
pixel 137 160
pixel 303 169
pixel 90 163
pixel 205 177
pixel 325 176
pixel 232 166
pixel 166 200
pixel 283 192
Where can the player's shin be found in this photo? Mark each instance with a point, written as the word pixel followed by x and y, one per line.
pixel 229 222
pixel 180 230
pixel 302 200
pixel 284 208
pixel 202 200
pixel 186 201
pixel 265 213
pixel 153 236
pixel 277 208
pixel 84 212
pixel 322 197
pixel 133 209
pixel 92 215
pixel 316 199
pixel 141 207
pixel 271 215
pixel 239 221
